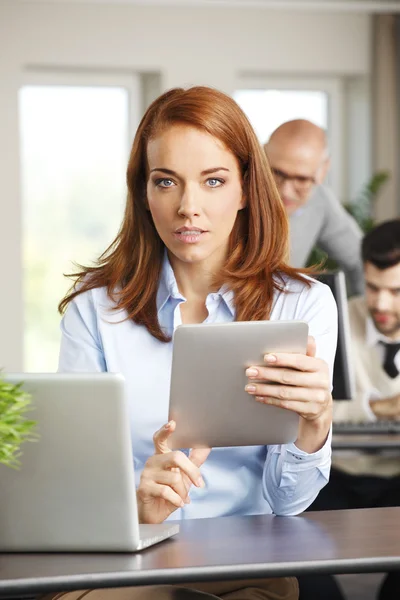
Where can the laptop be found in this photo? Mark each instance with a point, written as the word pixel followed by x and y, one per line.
pixel 75 490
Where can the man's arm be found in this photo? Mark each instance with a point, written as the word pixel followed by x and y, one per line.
pixel 386 408
pixel 340 237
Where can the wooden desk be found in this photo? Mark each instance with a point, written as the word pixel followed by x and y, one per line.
pixel 348 541
pixel 361 441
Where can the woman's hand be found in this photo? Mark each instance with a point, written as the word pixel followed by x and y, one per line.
pixel 297 382
pixel 167 478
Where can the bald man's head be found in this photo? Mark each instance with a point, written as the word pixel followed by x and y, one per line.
pixel 298 154
pixel 299 135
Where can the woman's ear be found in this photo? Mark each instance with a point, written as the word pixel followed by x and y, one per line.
pixel 245 189
pixel 145 200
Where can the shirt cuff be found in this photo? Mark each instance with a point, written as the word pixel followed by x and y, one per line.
pixel 295 455
pixel 372 394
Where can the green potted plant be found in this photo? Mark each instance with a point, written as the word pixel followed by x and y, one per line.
pixel 15 428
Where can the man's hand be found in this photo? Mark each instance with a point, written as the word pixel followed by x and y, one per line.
pixel 388 408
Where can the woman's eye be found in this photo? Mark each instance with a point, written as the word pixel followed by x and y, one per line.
pixel 215 182
pixel 164 183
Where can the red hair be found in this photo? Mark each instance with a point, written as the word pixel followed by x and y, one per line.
pixel 258 245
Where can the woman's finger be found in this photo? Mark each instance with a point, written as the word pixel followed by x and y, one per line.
pixel 198 456
pixel 160 438
pixel 174 480
pixel 292 360
pixel 311 346
pixel 177 459
pixel 287 376
pixel 282 392
pixel 153 490
pixel 307 410
pixel 295 360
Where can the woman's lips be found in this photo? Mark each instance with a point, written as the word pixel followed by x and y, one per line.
pixel 190 236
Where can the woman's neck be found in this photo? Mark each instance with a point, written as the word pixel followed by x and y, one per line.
pixel 195 282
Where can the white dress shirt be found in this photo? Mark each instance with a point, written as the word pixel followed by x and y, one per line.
pixel 373 339
pixel 241 480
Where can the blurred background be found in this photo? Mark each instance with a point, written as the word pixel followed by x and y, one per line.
pixel 77 75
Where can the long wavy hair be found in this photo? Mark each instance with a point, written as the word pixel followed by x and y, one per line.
pixel 258 246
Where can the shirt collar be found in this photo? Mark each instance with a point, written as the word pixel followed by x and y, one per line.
pixel 373 336
pixel 299 211
pixel 168 288
pixel 228 297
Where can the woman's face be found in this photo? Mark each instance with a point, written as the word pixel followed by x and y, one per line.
pixel 194 192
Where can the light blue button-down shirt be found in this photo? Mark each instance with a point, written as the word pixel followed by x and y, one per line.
pixel 240 480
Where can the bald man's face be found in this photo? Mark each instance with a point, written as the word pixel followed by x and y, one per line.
pixel 296 168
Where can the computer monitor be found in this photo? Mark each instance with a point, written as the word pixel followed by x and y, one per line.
pixel 343 376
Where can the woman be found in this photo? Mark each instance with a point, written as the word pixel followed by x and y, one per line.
pixel 204 239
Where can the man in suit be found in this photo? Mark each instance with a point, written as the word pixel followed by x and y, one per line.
pixel 362 479
pixel 299 159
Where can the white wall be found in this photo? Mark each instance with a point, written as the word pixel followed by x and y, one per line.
pixel 187 46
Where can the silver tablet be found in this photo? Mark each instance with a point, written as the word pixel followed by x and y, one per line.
pixel 207 397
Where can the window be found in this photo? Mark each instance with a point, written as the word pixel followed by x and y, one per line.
pixel 268 102
pixel 75 137
pixel 267 109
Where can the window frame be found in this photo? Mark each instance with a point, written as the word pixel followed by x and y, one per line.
pixel 334 88
pixel 131 82
pixel 82 78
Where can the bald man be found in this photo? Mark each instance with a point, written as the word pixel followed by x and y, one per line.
pixel 299 159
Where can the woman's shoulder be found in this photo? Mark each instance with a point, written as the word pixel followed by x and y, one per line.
pixel 304 285
pixel 94 300
pixel 299 296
